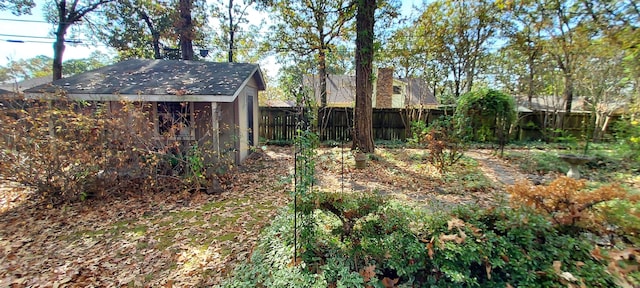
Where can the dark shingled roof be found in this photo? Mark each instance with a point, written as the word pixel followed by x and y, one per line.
pixel 5 92
pixel 26 84
pixel 159 77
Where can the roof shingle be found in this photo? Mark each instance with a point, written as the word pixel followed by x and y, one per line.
pixel 158 77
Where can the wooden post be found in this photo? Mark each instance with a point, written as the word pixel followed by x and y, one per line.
pixel 215 127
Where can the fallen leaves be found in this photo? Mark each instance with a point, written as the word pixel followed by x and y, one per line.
pixel 153 240
pixel 368 272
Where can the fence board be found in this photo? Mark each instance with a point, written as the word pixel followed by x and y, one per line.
pixel 279 123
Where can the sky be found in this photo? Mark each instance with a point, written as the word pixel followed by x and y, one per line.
pixel 15 28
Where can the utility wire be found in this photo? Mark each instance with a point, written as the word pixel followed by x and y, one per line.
pixel 24 20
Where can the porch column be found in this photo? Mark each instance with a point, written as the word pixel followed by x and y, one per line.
pixel 215 127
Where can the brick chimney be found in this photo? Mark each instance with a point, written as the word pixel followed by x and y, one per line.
pixel 384 87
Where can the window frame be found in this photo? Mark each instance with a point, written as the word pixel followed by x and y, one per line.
pixel 190 128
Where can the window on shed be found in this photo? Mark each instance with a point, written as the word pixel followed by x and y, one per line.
pixel 175 119
pixel 397 89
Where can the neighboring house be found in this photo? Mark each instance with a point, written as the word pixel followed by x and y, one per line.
pixel 279 103
pixel 4 92
pixel 389 92
pixel 578 105
pixel 211 101
pixel 341 89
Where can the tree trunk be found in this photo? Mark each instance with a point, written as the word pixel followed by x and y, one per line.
pixel 568 91
pixel 58 46
pixel 363 132
pixel 58 51
pixel 186 30
pixel 155 34
pixel 322 112
pixel 231 31
pixel 322 69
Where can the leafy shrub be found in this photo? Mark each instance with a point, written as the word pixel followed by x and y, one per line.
pixel 537 162
pixel 395 245
pixel 485 115
pixel 445 146
pixel 570 205
pixel 419 131
pixel 627 133
pixel 71 150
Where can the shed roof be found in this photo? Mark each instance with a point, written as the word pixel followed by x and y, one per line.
pixel 158 80
pixel 20 86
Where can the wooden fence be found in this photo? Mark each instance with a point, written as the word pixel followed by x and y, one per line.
pixel 278 124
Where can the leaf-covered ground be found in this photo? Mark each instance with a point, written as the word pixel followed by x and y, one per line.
pixel 191 240
pixel 186 240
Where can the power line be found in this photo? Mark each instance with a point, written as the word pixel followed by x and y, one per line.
pixel 77 41
pixel 27 41
pixel 24 20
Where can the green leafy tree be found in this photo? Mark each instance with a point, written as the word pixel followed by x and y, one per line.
pixel 522 27
pixel 311 27
pixel 600 78
pixel 241 40
pixel 17 7
pixel 567 32
pixel 18 70
pixel 95 60
pixel 404 52
pixel 40 66
pixel 146 29
pixel 458 34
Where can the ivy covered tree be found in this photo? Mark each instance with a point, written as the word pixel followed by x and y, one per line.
pixel 485 115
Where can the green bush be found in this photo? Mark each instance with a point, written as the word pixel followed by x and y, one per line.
pixel 627 133
pixel 485 115
pixel 419 131
pixel 468 247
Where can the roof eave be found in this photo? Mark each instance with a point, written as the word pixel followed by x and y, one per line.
pixel 261 83
pixel 136 97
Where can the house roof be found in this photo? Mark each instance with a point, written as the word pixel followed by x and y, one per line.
pixel 555 103
pixel 341 90
pixel 5 92
pixel 418 92
pixel 26 84
pixel 158 80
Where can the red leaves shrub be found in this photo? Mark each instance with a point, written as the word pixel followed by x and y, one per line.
pixel 568 202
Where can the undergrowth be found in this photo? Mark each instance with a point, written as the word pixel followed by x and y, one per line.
pixel 391 245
